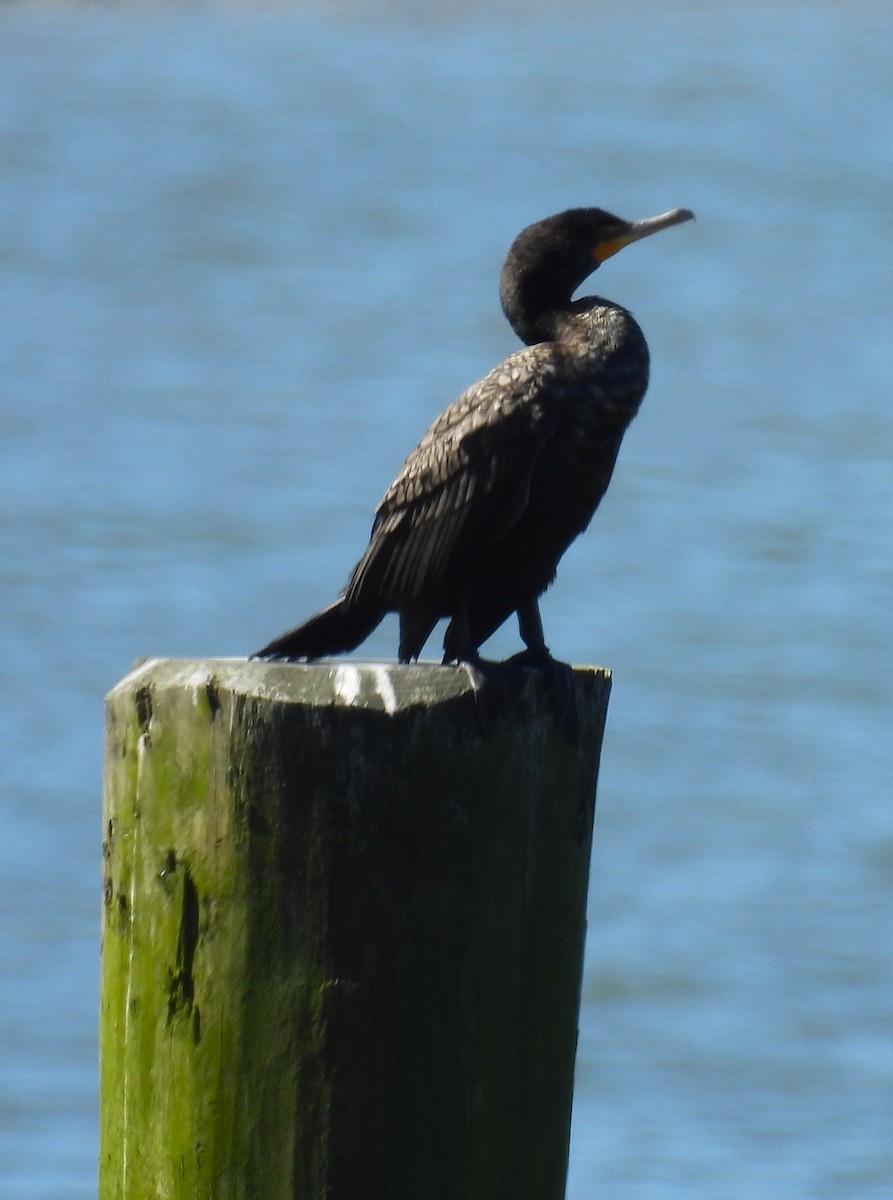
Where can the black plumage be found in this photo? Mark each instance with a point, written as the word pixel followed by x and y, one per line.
pixel 475 523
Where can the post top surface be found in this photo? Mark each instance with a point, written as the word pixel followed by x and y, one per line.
pixel 383 686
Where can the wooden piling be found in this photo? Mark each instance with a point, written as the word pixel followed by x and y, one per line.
pixel 342 934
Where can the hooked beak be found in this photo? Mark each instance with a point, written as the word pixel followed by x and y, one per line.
pixel 641 229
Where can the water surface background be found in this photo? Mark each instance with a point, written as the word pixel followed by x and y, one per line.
pixel 245 256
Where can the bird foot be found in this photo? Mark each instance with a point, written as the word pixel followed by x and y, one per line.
pixel 497 684
pixel 560 684
pixel 494 689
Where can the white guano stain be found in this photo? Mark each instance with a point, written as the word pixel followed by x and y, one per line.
pixel 347 684
pixel 385 688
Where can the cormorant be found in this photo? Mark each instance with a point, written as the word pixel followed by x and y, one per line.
pixel 475 523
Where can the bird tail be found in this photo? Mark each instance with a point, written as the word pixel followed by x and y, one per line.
pixel 334 630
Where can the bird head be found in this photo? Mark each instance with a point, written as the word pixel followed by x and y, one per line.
pixel 549 260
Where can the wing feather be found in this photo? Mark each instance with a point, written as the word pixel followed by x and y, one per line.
pixel 464 485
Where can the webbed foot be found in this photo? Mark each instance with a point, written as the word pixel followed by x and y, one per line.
pixel 494 690
pixel 560 684
pixel 498 684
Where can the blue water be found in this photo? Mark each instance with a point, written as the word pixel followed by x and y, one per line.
pixel 245 257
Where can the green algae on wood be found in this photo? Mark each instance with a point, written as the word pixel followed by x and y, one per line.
pixel 342 934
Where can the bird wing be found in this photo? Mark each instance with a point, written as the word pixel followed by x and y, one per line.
pixel 465 484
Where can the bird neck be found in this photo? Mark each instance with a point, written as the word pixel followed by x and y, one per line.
pixel 588 321
pixel 533 308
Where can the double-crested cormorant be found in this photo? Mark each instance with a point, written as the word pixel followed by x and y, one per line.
pixel 474 524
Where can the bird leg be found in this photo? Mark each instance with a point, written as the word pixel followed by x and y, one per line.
pixel 496 684
pixel 489 680
pixel 558 676
pixel 530 626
